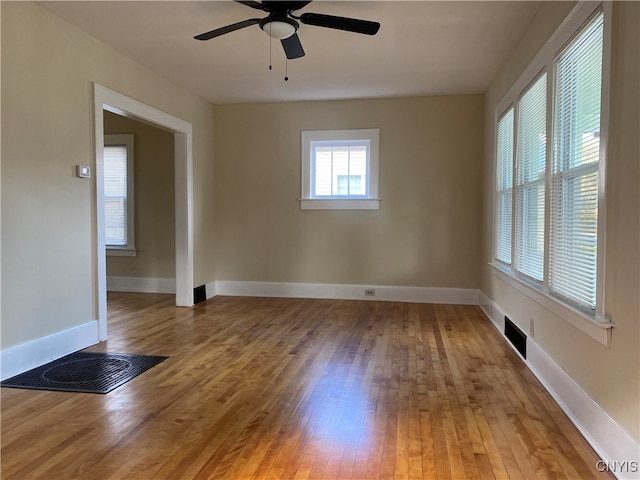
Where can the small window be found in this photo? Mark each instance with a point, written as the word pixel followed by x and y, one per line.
pixel 118 195
pixel 340 170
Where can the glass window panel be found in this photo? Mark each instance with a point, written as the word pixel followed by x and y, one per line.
pixel 530 191
pixel 574 185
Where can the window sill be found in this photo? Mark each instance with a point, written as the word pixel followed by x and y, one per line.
pixel 340 204
pixel 121 252
pixel 598 330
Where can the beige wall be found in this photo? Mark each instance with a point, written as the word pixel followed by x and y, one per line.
pixel 427 231
pixel 611 375
pixel 48 215
pixel 154 201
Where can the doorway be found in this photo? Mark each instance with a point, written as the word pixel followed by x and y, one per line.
pixel 106 99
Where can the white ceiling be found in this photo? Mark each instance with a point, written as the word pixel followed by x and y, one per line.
pixel 422 48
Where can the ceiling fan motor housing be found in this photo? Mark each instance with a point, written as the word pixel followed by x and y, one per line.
pixel 279 27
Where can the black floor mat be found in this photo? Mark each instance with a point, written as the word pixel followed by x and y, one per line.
pixel 88 372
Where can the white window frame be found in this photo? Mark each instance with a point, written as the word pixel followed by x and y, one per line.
pixel 128 250
pixel 370 200
pixel 595 324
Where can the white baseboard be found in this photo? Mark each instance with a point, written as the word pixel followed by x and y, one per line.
pixel 458 296
pixel 610 440
pixel 211 289
pixel 493 311
pixel 141 284
pixel 31 354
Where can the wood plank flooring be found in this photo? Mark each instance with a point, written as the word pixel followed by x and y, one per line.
pixel 259 388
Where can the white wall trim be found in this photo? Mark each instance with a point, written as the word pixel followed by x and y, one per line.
pixel 458 296
pixel 599 331
pixel 211 289
pixel 106 99
pixel 25 356
pixel 341 204
pixel 609 439
pixel 141 284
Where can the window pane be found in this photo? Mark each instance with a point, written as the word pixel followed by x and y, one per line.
pixel 356 185
pixel 530 168
pixel 530 232
pixel 575 237
pixel 115 195
pixel 349 184
pixel 503 226
pixel 343 185
pixel 115 209
pixel 323 171
pixel 578 92
pixel 357 170
pixel 574 184
pixel 115 171
pixel 340 168
pixel 504 185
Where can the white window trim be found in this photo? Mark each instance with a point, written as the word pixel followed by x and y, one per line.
pixel 372 202
pixel 599 331
pixel 592 325
pixel 128 250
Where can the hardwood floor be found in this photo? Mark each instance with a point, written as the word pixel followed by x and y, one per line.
pixel 259 388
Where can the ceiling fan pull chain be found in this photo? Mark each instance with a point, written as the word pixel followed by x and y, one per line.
pixel 286 69
pixel 270 42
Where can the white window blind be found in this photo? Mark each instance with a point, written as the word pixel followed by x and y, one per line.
pixel 504 184
pixel 574 182
pixel 115 195
pixel 118 194
pixel 530 185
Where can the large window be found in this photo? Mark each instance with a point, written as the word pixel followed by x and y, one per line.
pixel 548 195
pixel 340 169
pixel 118 194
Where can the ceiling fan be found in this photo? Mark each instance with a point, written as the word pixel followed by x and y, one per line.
pixel 282 24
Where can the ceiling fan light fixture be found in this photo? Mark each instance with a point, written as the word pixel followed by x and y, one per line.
pixel 280 29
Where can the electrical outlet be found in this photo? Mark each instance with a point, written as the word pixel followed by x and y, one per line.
pixel 531 327
pixel 369 292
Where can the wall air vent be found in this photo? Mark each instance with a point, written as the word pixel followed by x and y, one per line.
pixel 199 294
pixel 516 336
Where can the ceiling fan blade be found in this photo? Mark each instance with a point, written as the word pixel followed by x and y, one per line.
pixel 252 4
pixel 340 23
pixel 229 28
pixel 292 47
